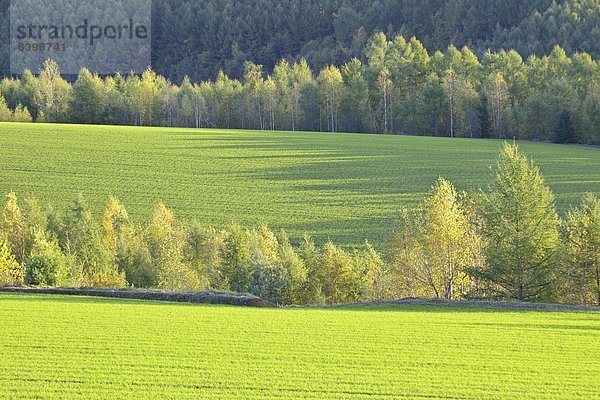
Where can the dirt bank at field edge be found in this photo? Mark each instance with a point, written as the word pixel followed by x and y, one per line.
pixel 509 305
pixel 197 298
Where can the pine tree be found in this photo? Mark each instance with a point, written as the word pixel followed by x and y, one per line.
pixel 434 106
pixel 521 228
pixel 356 100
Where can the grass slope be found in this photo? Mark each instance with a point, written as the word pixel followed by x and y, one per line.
pixel 84 348
pixel 339 186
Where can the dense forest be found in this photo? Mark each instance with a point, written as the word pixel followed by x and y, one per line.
pixel 433 67
pixel 200 38
pixel 224 34
pixel 503 242
pixel 400 89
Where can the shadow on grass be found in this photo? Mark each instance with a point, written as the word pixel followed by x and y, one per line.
pixel 411 305
pixel 400 306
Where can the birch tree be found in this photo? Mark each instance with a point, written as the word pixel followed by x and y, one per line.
pixel 443 234
pixel 331 88
pixel 498 103
pixel 13 228
pixel 385 86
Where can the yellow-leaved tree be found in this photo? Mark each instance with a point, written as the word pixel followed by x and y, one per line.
pixel 13 228
pixel 167 246
pixel 443 235
pixel 11 272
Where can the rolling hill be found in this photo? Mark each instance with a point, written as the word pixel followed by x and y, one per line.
pixel 345 187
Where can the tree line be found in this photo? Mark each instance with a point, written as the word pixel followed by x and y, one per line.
pixel 505 241
pixel 400 89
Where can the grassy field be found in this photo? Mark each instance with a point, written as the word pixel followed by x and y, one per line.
pixel 84 348
pixel 339 186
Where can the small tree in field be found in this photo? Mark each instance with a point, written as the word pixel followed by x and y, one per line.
pixel 166 245
pixel 375 276
pixel 339 280
pixel 236 256
pixel 521 228
pixel 21 114
pixel 434 251
pixel 46 263
pixel 292 263
pixel 11 273
pixel 82 236
pixel 581 271
pixel 13 227
pixel 116 226
pixel 5 113
pixel 444 237
pixel 406 259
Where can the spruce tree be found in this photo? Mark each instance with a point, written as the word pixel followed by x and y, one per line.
pixel 564 131
pixel 483 115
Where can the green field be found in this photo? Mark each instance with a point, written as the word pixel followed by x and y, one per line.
pixel 340 186
pixel 84 348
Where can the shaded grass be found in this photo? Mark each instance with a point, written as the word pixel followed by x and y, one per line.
pixel 343 187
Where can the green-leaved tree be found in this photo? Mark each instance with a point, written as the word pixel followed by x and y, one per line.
pixel 521 228
pixel 581 271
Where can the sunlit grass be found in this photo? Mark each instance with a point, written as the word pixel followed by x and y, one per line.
pixel 84 348
pixel 340 186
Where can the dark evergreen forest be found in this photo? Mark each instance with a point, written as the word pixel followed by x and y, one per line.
pixel 199 38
